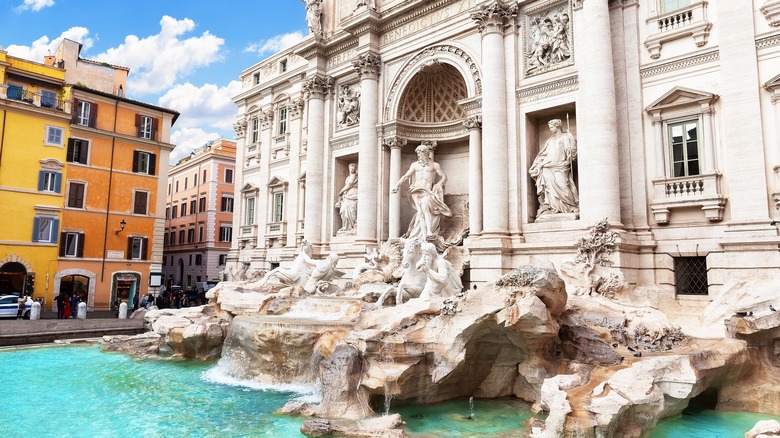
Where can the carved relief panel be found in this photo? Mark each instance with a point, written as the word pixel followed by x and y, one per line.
pixel 548 42
pixel 348 105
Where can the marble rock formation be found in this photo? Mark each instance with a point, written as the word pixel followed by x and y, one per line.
pixel 764 429
pixel 416 351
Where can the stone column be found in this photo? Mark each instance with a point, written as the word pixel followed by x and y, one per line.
pixel 315 88
pixel 367 66
pixel 599 170
pixel 395 144
pixel 491 19
pixel 741 115
pixel 474 125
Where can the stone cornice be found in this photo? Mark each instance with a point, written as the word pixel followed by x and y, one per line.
pixel 771 11
pixel 411 16
pixel 769 41
pixel 547 89
pixel 678 64
pixel 367 66
pixel 614 4
pixel 317 86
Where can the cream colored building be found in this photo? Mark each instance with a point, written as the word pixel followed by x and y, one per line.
pixel 673 104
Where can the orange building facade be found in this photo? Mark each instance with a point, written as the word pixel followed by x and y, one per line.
pixel 112 220
pixel 199 215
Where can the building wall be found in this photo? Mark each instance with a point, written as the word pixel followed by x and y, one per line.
pixel 653 68
pixel 181 258
pixel 24 152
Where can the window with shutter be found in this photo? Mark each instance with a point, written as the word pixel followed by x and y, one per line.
pixel 77 151
pixel 76 195
pixel 140 203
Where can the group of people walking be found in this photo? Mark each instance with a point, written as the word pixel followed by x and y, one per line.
pixel 68 305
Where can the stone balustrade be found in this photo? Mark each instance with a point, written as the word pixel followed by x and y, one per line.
pixel 692 191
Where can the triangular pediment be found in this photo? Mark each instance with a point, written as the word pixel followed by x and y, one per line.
pixel 248 188
pixel 276 182
pixel 302 178
pixel 681 96
pixel 773 83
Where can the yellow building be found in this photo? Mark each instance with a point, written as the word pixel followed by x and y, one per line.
pixel 34 128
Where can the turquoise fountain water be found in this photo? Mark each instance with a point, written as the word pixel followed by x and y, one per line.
pixel 81 391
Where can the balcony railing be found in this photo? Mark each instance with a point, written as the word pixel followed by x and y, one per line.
pixel 690 191
pixel 45 99
pixel 690 21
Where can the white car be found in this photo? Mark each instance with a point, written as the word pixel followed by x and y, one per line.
pixel 9 306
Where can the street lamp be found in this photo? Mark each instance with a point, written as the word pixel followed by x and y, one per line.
pixel 121 227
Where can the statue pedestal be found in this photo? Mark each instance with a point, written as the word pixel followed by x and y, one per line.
pixel 557 217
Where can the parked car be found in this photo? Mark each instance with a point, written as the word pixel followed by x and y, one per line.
pixel 9 306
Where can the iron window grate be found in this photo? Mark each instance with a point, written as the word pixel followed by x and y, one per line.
pixel 690 275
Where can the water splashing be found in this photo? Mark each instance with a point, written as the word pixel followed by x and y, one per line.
pixel 471 408
pixel 388 398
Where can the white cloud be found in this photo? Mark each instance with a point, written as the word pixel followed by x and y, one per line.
pixel 35 5
pixel 157 61
pixel 189 139
pixel 275 44
pixel 44 46
pixel 208 105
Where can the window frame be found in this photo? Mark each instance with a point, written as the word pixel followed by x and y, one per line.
pixel 51 222
pixel 58 141
pixel 227 204
pixel 83 195
pixel 663 8
pixel 229 175
pixel 281 120
pixel 77 153
pixel 277 214
pixel 144 162
pixel 225 232
pixel 146 127
pixel 83 113
pixel 686 160
pixel 250 204
pixel 49 181
pixel 72 244
pixel 144 205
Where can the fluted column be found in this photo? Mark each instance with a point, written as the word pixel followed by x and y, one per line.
pixel 474 125
pixel 315 88
pixel 395 144
pixel 597 143
pixel 491 19
pixel 367 66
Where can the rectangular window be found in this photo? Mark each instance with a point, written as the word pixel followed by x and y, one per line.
pixel 177 187
pixel 256 78
pixel 283 66
pixel 146 127
pixel 204 176
pixel 172 239
pixel 255 130
pixel 45 229
pixel 228 175
pixel 186 180
pixel 165 259
pixel 249 217
pixel 227 204
pixel 72 245
pixel 49 181
pixel 140 202
pixel 49 99
pixel 202 204
pixel 136 248
pixel 76 195
pixel 165 242
pixel 181 236
pixel 191 235
pixel 190 262
pixel 85 113
pixel 53 136
pixel 684 143
pixel 167 213
pixel 673 5
pixel 200 233
pixel 198 259
pixel 77 151
pixel 174 212
pixel 195 179
pixel 144 162
pixel 281 126
pixel 690 275
pixel 225 233
pixel 184 209
pixel 278 207
pixel 222 259
pixel 169 188
pixel 192 206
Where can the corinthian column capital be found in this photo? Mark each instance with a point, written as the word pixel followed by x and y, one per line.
pixel 492 18
pixel 367 66
pixel 474 122
pixel 317 86
pixel 394 142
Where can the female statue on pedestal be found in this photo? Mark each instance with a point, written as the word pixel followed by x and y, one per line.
pixel 347 202
pixel 553 173
pixel 313 15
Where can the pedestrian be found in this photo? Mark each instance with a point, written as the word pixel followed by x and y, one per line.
pixel 60 305
pixel 135 302
pixel 74 305
pixel 22 306
pixel 66 308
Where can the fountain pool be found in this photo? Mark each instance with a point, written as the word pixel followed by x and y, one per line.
pixel 82 391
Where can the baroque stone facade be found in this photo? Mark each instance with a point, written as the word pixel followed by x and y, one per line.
pixel 666 119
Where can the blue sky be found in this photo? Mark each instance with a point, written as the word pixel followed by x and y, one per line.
pixel 183 54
